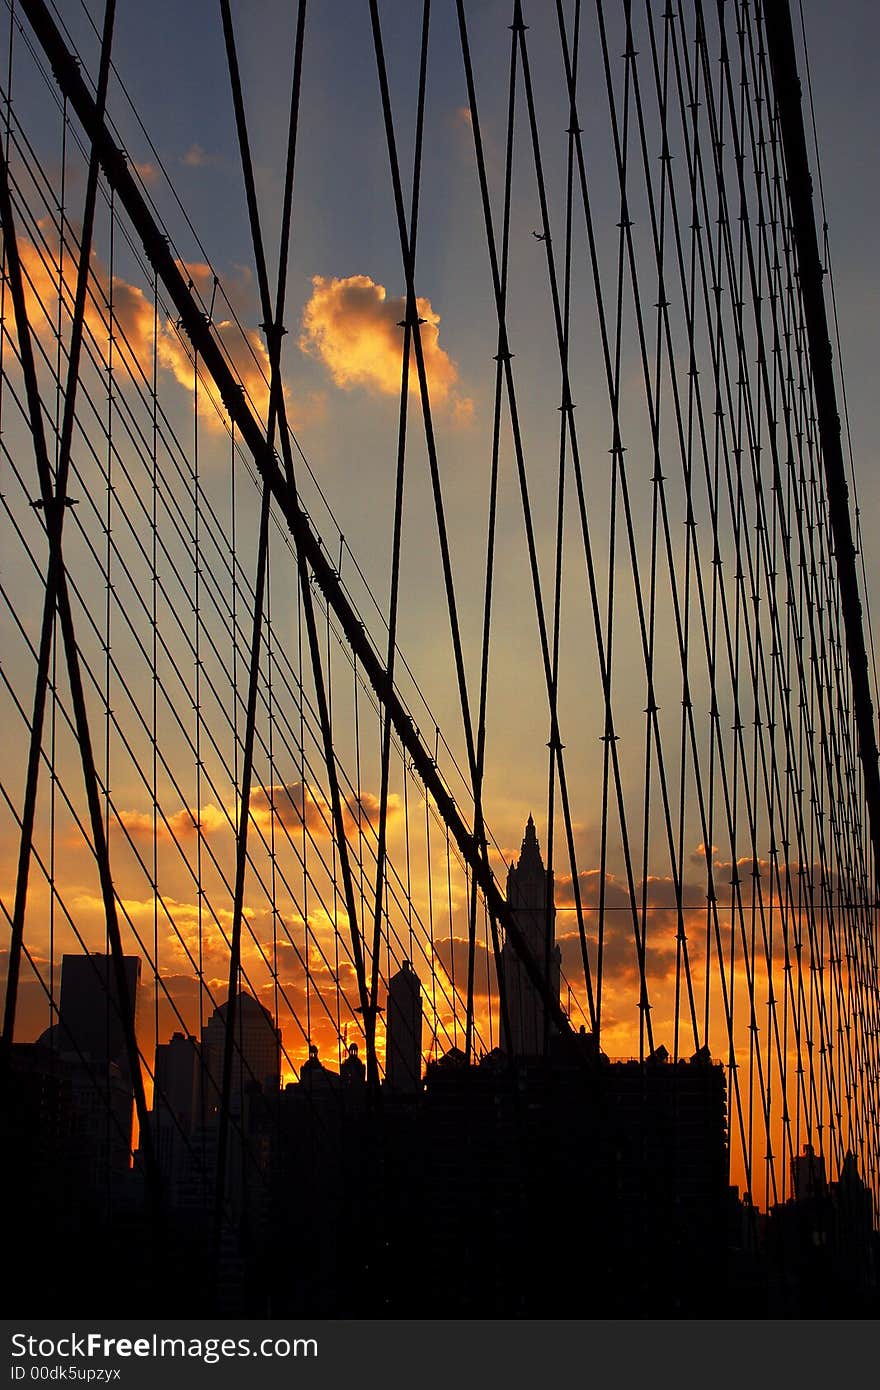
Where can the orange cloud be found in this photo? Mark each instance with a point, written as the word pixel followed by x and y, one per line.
pixel 147 171
pixel 198 158
pixel 292 804
pixel 353 327
pixel 295 804
pixel 135 329
pixel 132 312
pixel 181 824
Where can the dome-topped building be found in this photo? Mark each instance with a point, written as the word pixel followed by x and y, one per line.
pixel 256 1056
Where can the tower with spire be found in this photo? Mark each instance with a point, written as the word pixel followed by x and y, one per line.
pixel 530 898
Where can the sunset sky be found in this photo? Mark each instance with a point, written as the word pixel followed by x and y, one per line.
pixel 341 366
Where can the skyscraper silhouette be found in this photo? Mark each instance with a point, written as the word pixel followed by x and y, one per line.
pixel 90 1038
pixel 530 896
pixel 92 1021
pixel 176 1106
pixel 403 1062
pixel 257 1050
pixel 177 1081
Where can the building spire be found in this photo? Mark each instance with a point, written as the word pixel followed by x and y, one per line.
pixel 530 898
pixel 530 851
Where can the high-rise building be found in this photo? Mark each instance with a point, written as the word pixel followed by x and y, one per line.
pixel 808 1174
pixel 403 1057
pixel 176 1107
pixel 177 1081
pixel 92 1017
pixel 530 898
pixel 90 1037
pixel 256 1056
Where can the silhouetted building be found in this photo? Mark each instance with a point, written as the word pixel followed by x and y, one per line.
pixel 627 1162
pixel 90 1037
pixel 807 1174
pixel 665 1172
pixel 326 1205
pixel 314 1076
pixel 530 897
pixel 463 1196
pixel 403 1059
pixel 857 1242
pixel 55 1164
pixel 353 1072
pixel 821 1246
pixel 92 1017
pixel 176 1107
pixel 256 1056
pixel 177 1080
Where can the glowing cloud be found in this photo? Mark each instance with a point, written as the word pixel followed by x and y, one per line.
pixel 136 329
pixel 198 158
pixel 295 804
pixel 148 172
pixel 181 825
pixel 353 327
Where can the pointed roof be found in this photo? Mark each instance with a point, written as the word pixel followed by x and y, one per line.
pixel 530 861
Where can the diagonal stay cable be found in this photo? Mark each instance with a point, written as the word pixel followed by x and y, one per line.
pixel 505 356
pixel 53 528
pixel 272 328
pixel 124 611
pixel 252 435
pixel 397 531
pixel 54 524
pixel 533 968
